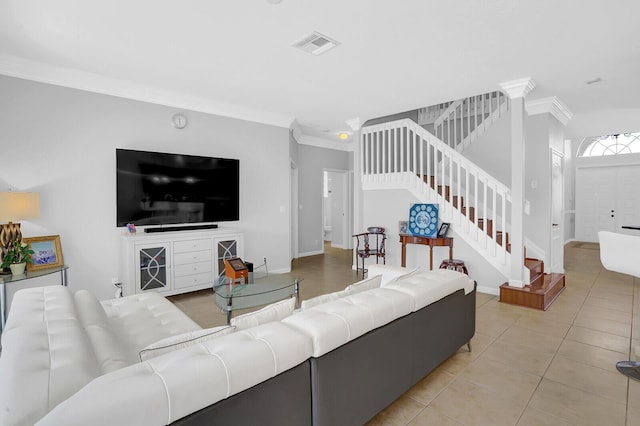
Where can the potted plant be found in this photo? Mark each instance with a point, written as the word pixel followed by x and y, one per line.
pixel 17 257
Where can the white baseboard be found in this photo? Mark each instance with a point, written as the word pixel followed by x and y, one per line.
pixel 488 290
pixel 311 253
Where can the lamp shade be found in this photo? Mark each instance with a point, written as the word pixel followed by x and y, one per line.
pixel 17 206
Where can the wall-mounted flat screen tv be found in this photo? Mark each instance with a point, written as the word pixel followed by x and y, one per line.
pixel 155 188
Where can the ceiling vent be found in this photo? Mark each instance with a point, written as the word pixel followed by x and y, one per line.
pixel 316 43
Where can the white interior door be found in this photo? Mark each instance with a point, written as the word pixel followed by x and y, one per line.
pixel 607 198
pixel 339 209
pixel 557 213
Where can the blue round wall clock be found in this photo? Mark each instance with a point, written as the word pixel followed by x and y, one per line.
pixel 423 220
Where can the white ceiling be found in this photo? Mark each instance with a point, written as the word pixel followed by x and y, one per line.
pixel 234 57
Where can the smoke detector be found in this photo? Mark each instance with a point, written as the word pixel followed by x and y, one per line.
pixel 316 43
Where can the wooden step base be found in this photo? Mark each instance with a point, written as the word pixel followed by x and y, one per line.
pixel 534 296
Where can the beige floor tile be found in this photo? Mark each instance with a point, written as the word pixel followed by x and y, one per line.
pixel 533 417
pixel 501 379
pixel 577 406
pixel 522 336
pixel 469 404
pixel 542 325
pixel 590 355
pixel 618 305
pixel 523 358
pixel 598 381
pixel 604 313
pixel 604 325
pixel 599 339
pixel 428 388
pixel 399 413
pixel 431 417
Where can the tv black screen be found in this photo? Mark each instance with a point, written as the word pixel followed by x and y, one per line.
pixel 155 188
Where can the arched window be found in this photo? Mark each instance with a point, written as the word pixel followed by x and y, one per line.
pixel 627 143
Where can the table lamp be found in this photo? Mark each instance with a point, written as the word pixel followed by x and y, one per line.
pixel 15 206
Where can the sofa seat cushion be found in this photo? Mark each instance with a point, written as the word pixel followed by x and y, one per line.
pixel 111 352
pixel 335 323
pixel 46 354
pixel 142 319
pixel 171 386
pixel 427 287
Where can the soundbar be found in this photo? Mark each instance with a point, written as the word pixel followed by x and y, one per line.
pixel 180 228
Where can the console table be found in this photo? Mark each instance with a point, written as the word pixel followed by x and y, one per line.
pixel 10 279
pixel 427 241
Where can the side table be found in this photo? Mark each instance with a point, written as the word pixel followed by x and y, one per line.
pixel 14 279
pixel 427 241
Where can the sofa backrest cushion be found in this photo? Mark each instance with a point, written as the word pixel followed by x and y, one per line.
pixel 427 287
pixel 46 355
pixel 183 340
pixel 273 312
pixel 111 352
pixel 335 323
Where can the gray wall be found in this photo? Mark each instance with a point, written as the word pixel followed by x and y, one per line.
pixel 61 143
pixel 311 162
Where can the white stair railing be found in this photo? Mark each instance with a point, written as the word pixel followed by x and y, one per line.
pixel 401 154
pixel 464 120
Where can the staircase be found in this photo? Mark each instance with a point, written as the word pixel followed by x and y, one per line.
pixel 403 155
pixel 542 290
pixel 460 122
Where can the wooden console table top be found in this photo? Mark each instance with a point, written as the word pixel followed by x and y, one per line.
pixel 427 241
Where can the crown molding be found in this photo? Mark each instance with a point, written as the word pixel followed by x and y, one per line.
pixel 518 88
pixel 325 143
pixel 552 105
pixel 354 124
pixel 13 66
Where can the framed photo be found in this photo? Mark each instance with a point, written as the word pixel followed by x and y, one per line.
pixel 444 228
pixel 47 252
pixel 403 226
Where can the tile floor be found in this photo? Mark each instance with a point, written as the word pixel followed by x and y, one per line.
pixel 527 367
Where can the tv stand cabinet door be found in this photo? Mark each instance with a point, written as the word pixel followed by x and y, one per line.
pixel 226 247
pixel 153 263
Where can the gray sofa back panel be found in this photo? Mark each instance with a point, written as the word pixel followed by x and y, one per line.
pixel 353 382
pixel 282 400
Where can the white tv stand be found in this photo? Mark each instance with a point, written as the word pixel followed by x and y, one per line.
pixel 177 262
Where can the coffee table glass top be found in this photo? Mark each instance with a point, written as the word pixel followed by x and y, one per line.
pixel 262 291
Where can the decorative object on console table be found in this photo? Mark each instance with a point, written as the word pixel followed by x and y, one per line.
pixel 47 252
pixel 403 226
pixel 444 228
pixel 15 206
pixel 235 270
pixel 423 220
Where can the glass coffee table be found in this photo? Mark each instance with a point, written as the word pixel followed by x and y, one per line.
pixel 266 290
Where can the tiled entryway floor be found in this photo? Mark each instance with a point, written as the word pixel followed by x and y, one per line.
pixel 527 367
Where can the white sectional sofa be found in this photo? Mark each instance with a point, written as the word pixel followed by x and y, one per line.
pixel 68 359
